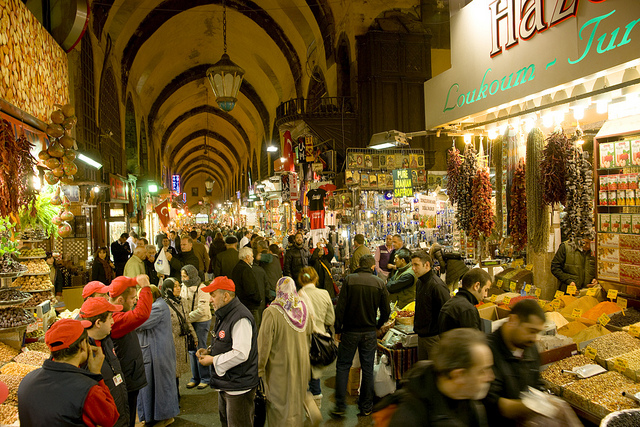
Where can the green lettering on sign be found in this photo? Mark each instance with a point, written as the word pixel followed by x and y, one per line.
pixel 402 185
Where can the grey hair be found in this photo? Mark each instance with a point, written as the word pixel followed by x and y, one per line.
pixel 245 252
pixel 455 350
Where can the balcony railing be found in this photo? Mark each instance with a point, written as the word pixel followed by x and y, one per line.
pixel 329 106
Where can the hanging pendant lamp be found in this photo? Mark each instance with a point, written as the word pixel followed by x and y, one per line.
pixel 225 76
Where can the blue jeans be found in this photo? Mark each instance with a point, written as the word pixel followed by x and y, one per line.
pixel 314 386
pixel 199 373
pixel 365 343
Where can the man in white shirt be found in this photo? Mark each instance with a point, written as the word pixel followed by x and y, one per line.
pixel 245 239
pixel 233 355
pixel 132 240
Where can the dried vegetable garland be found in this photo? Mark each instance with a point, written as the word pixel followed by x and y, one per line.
pixel 496 157
pixel 17 163
pixel 537 212
pixel 553 164
pixel 464 213
pixel 454 164
pixel 578 219
pixel 482 221
pixel 518 223
pixel 26 165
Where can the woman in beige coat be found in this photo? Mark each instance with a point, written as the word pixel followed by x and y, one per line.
pixel 323 316
pixel 283 356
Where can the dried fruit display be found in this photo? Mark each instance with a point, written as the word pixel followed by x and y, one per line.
pixel 482 221
pixel 12 382
pixel 554 158
pixel 38 346
pixel 537 211
pixel 14 317
pixel 33 283
pixel 578 220
pixel 19 369
pixel 464 213
pixel 37 266
pixel 17 167
pixel 518 214
pixel 7 352
pixel 8 414
pixel 454 165
pixel 35 358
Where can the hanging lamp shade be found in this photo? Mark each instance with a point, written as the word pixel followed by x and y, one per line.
pixel 225 78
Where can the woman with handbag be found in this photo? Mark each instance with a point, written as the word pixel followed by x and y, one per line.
pixel 323 316
pixel 196 304
pixel 182 330
pixel 283 356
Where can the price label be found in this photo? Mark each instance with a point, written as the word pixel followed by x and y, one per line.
pixel 634 331
pixel 622 303
pixel 538 292
pixel 576 313
pixel 542 303
pixel 499 283
pixel 527 288
pixel 612 294
pixel 506 300
pixel 518 262
pixel 555 304
pixel 493 298
pixel 529 267
pixel 512 286
pixel 590 352
pixel 558 294
pixel 604 319
pixel 592 292
pixel 620 365
pixel 571 289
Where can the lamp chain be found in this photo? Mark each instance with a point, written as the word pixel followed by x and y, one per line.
pixel 224 25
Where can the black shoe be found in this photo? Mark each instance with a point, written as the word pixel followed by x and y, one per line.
pixel 337 413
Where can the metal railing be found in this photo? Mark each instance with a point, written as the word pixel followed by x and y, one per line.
pixel 329 106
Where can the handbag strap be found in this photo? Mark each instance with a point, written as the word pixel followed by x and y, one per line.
pixel 195 294
pixel 335 287
pixel 181 318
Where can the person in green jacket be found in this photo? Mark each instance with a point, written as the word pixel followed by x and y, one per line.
pixel 575 266
pixel 359 249
pixel 402 283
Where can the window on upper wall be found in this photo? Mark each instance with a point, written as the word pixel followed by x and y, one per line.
pixel 110 125
pixel 87 130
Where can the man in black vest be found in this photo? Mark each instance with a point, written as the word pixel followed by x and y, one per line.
pixel 123 292
pixel 99 312
pixel 61 393
pixel 233 355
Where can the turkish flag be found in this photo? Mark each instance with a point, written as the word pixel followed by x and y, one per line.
pixel 163 212
pixel 288 151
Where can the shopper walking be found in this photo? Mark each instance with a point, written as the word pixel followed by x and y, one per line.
pixel 296 257
pixel 321 310
pixel 227 260
pixel 202 253
pixel 135 265
pixel 120 251
pixel 246 283
pixel 283 350
pixel 361 296
pixel 102 270
pixel 158 400
pixel 196 302
pixel 232 356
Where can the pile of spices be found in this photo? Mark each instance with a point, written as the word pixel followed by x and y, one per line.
pixel 605 307
pixel 631 316
pixel 558 319
pixel 590 333
pixel 571 329
pixel 614 344
pixel 585 304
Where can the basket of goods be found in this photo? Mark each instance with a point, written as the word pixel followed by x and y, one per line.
pixel 37 266
pixel 626 418
pixel 32 253
pixel 13 297
pixel 404 321
pixel 15 317
pixel 34 283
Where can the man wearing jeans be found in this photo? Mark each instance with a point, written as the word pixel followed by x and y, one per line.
pixel 361 296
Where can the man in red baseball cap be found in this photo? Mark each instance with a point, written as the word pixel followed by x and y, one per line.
pixel 63 393
pixel 94 289
pixel 99 312
pixel 233 354
pixel 122 291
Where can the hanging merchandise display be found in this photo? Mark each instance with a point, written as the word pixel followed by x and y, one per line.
pixel 518 224
pixel 496 158
pixel 537 212
pixel 578 221
pixel 482 220
pixel 17 167
pixel 554 157
pixel 454 164
pixel 465 189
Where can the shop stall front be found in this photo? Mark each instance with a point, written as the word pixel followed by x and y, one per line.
pixel 551 93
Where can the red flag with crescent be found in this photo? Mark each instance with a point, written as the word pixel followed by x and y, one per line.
pixel 163 212
pixel 288 151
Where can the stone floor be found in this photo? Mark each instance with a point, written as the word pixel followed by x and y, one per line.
pixel 200 407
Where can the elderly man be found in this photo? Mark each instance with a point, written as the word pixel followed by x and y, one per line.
pixel 149 264
pixel 246 284
pixel 233 355
pixel 396 243
pixel 445 392
pixel 135 265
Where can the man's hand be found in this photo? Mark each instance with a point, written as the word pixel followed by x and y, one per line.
pixel 572 284
pixel 202 352
pixel 391 266
pixel 143 280
pixel 205 360
pixel 169 256
pixel 336 338
pixel 258 256
pixel 95 359
pixel 593 283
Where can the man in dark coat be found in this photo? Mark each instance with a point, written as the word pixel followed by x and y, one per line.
pixel 460 311
pixel 296 258
pixel 246 284
pixel 575 266
pixel 121 252
pixel 186 257
pixel 227 260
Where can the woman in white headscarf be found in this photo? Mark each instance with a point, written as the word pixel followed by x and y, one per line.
pixel 283 355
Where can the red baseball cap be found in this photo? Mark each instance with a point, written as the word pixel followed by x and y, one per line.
pixel 65 332
pixel 4 392
pixel 95 306
pixel 220 282
pixel 121 284
pixel 93 287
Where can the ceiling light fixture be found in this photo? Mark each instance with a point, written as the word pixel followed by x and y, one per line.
pixel 89 161
pixel 225 76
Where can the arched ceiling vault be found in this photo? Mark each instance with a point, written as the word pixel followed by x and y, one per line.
pixel 197 175
pixel 183 144
pixel 207 170
pixel 203 165
pixel 199 149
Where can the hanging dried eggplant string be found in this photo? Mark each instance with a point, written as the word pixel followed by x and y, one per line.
pixel 518 211
pixel 554 158
pixel 571 219
pixel 497 164
pixel 26 164
pixel 537 212
pixel 9 188
pixel 464 213
pixel 454 163
pixel 483 221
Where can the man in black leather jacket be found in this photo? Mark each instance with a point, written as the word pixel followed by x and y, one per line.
pixel 296 257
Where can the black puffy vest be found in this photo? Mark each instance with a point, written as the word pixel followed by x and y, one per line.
pixel 130 356
pixel 110 368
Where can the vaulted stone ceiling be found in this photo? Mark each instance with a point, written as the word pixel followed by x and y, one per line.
pixel 163 49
